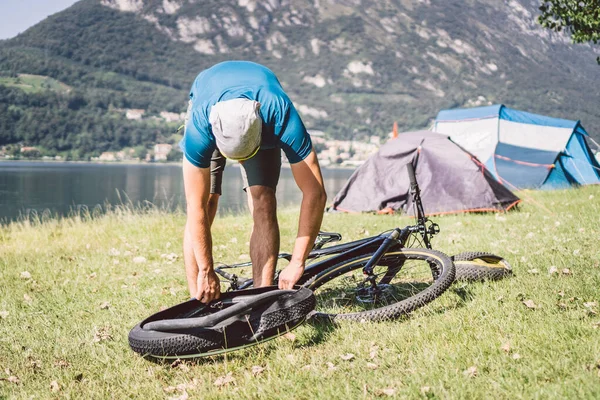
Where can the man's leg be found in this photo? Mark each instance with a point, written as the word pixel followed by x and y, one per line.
pixel 264 240
pixel 217 166
pixel 260 175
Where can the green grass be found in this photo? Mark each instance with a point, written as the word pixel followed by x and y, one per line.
pixel 34 83
pixel 49 320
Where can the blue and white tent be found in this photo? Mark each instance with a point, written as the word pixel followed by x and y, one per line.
pixel 521 149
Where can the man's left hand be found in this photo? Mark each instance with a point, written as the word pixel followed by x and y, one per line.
pixel 291 274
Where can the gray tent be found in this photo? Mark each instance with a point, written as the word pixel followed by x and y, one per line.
pixel 450 178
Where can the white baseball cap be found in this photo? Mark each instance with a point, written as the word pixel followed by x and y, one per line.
pixel 237 126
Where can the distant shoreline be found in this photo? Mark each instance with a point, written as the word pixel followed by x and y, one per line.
pixel 142 163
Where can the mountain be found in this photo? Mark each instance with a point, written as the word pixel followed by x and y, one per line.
pixel 352 67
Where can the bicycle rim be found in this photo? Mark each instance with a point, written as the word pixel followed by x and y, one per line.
pixel 405 280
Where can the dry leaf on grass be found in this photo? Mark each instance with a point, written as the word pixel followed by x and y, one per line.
pixel 181 365
pixel 534 271
pixel 102 334
pixel 4 314
pixel 61 364
pixel 25 275
pixel 27 298
pixel 590 304
pixel 470 372
pixel 257 369
pixel 385 392
pixel 35 364
pixel 182 386
pixel 105 305
pixel 225 380
pixel 331 366
pixel 347 356
pixel 114 252
pixel 425 390
pixel 372 365
pixel 596 325
pixel 307 367
pixel 13 379
pixel 139 260
pixel 506 347
pixel 183 396
pixel 516 356
pixel 552 270
pixel 373 351
pixel 93 275
pixel 54 387
pixel 566 271
pixel 530 304
pixel 290 336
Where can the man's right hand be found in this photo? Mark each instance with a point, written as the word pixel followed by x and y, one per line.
pixel 209 287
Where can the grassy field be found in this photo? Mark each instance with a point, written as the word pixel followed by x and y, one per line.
pixel 34 83
pixel 72 289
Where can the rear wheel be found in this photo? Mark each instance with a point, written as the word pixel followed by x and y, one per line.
pixel 405 280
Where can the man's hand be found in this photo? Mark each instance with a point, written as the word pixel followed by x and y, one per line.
pixel 291 274
pixel 209 287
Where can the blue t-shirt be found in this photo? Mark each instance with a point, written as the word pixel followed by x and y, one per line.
pixel 282 126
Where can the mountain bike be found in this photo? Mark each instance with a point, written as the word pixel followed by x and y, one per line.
pixel 371 279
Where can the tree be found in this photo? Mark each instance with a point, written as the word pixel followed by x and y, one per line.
pixel 581 18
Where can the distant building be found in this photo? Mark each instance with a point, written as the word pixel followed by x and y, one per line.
pixel 171 117
pixel 135 114
pixel 107 156
pixel 161 151
pixel 26 149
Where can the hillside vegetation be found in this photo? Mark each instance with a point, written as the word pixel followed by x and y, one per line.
pixel 73 288
pixel 351 66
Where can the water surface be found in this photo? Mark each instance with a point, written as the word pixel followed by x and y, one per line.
pixel 30 188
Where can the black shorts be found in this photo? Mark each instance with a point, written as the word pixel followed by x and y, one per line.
pixel 261 170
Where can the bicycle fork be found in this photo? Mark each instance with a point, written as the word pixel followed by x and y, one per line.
pixel 395 236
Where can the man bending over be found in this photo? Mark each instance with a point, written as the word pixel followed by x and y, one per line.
pixel 238 110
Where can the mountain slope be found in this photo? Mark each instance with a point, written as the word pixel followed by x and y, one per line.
pixel 351 66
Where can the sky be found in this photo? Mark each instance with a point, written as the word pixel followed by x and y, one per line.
pixel 18 15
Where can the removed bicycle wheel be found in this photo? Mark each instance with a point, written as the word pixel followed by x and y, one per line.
pixel 477 266
pixel 405 279
pixel 237 320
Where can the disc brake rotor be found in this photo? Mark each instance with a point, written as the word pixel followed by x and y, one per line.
pixel 371 295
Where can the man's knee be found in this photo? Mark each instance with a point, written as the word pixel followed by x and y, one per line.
pixel 263 201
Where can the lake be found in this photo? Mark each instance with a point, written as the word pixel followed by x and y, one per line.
pixel 30 188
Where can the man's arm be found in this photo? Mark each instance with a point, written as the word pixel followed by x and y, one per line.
pixel 307 175
pixel 203 283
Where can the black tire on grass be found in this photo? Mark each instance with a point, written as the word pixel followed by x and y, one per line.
pixel 408 290
pixel 270 319
pixel 475 266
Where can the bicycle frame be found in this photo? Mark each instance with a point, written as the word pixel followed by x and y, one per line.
pixel 376 245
